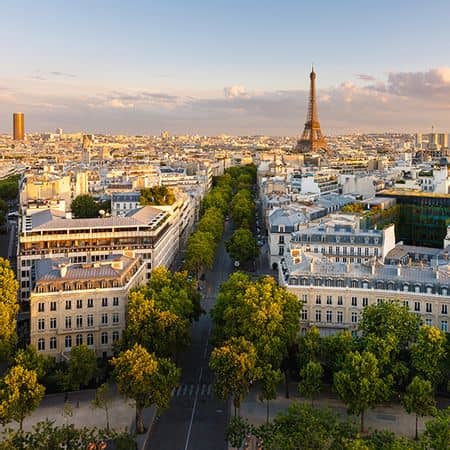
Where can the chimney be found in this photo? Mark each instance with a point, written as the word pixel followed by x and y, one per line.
pixel 63 270
pixel 399 269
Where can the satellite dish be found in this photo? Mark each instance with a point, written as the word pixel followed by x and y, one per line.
pixel 102 212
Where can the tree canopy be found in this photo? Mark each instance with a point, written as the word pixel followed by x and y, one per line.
pixel 8 309
pixel 242 246
pixel 85 207
pixel 157 195
pixel 144 378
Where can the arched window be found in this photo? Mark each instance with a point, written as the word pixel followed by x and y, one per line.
pixel 79 339
pixel 53 343
pixel 90 339
pixel 68 341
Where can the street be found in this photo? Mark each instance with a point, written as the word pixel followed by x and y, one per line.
pixel 195 419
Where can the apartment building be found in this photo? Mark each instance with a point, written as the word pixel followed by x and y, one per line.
pixel 334 293
pixel 82 303
pixel 340 238
pixel 155 233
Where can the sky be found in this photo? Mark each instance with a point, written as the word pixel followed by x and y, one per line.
pixel 224 66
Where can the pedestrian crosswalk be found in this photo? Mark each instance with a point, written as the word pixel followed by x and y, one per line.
pixel 192 390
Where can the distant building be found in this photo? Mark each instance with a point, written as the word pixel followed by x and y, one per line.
pixel 18 126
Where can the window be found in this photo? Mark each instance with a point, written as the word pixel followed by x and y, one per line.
pixel 115 336
pixel 79 322
pixel 41 307
pixel 68 304
pixel 318 300
pixel 68 322
pixel 444 326
pixel 428 307
pixel 281 240
pixel 444 309
pixel 68 341
pixel 79 304
pixel 406 303
pixel 105 301
pixel 53 323
pixel 340 317
pixel 354 301
pixel 41 344
pixel 318 315
pixel 52 306
pixel 90 303
pixel 429 322
pixel 41 324
pixel 90 320
pixel 281 251
pixel 79 339
pixel 104 319
pixel 104 338
pixel 115 301
pixel 416 306
pixel 304 314
pixel 329 316
pixel 329 300
pixel 305 298
pixel 354 317
pixel 90 339
pixel 365 301
pixel 340 300
pixel 115 318
pixel 53 343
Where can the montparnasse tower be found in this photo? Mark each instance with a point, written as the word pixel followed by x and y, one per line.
pixel 312 139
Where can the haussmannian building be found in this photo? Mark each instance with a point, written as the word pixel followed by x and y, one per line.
pixel 334 293
pixel 82 303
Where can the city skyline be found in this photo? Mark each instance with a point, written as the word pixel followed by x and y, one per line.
pixel 224 67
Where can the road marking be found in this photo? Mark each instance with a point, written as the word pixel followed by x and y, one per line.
pixel 188 437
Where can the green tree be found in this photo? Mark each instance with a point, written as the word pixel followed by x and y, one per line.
pixel 311 380
pixel 234 367
pixel 103 400
pixel 428 353
pixel 81 368
pixel 309 346
pixel 20 394
pixel 242 246
pixel 419 399
pixel 161 332
pixel 304 427
pixel 200 251
pixel 390 318
pixel 146 379
pixel 359 384
pixel 269 379
pixel 212 222
pixel 157 195
pixel 174 292
pixel 437 431
pixel 217 198
pixel 84 206
pixel 30 359
pixel 8 310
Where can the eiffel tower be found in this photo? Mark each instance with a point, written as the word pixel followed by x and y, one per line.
pixel 312 139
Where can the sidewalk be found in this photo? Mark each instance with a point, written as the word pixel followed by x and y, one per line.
pixel 82 414
pixel 389 417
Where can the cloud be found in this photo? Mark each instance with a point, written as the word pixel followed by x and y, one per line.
pixel 433 84
pixel 235 91
pixel 402 101
pixel 63 74
pixel 365 77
